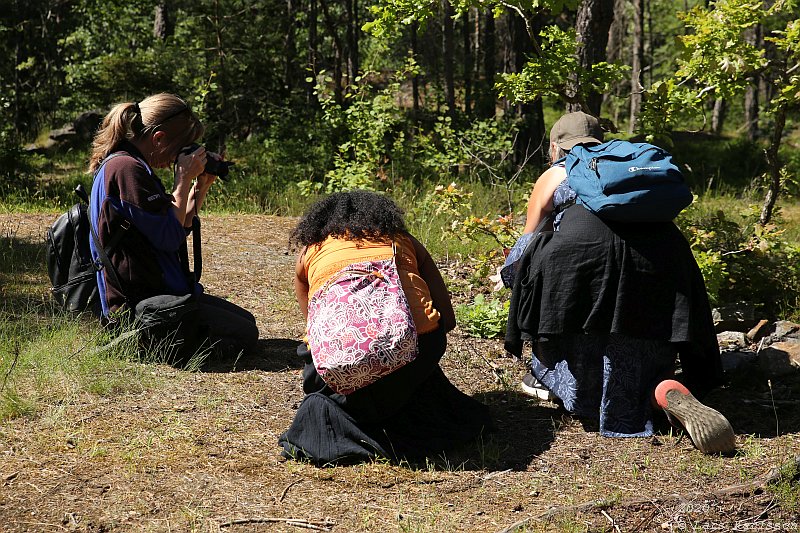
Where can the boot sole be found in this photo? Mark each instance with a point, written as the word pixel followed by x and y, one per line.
pixel 709 430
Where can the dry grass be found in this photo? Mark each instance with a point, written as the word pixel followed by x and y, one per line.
pixel 198 451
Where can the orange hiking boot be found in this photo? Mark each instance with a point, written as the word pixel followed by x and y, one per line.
pixel 709 430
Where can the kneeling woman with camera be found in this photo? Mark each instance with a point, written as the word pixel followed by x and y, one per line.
pixel 140 230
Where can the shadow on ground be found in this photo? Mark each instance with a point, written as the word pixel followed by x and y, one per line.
pixel 524 430
pixel 271 355
pixel 757 405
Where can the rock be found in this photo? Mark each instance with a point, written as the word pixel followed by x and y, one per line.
pixel 48 147
pixel 736 317
pixel 758 331
pixel 87 123
pixel 780 358
pixel 737 359
pixel 67 133
pixel 784 329
pixel 731 340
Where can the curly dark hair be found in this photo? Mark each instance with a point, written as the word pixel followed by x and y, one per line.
pixel 355 214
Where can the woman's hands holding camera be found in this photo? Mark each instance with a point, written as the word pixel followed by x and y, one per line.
pixel 190 165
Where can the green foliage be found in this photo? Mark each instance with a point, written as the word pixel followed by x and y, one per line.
pixel 742 260
pixel 390 15
pixel 713 163
pixel 475 151
pixel 550 72
pixel 667 105
pixel 370 123
pixel 380 147
pixel 484 318
pixel 716 61
pixel 714 54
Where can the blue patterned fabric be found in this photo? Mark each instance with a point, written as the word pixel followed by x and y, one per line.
pixel 563 197
pixel 609 377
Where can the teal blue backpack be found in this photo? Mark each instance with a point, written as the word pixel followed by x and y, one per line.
pixel 629 182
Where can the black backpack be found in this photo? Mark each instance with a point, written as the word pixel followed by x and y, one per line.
pixel 69 260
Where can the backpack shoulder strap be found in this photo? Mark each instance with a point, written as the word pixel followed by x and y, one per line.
pixel 116 236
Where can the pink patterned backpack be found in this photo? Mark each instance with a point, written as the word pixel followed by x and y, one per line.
pixel 360 326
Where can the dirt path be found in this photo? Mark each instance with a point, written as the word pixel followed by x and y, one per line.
pixel 197 451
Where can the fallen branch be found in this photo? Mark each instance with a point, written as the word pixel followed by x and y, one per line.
pixel 324 525
pixel 289 486
pixel 772 476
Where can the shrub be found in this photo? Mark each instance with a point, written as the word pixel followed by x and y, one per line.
pixel 485 318
pixel 742 261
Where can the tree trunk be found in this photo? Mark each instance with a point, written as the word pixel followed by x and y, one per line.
pixel 311 98
pixel 752 36
pixel 415 79
pixel 487 106
pixel 338 53
pixel 592 23
pixel 530 144
pixel 220 131
pixel 289 48
pixel 352 40
pixel 637 60
pixel 164 23
pixel 447 56
pixel 773 167
pixel 467 43
pixel 718 116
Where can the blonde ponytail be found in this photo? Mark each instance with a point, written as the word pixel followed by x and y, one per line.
pixel 117 126
pixel 131 121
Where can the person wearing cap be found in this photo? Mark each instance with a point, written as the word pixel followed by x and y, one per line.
pixel 551 194
pixel 608 308
pixel 134 139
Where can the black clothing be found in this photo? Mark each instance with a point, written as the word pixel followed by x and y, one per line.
pixel 599 277
pixel 413 412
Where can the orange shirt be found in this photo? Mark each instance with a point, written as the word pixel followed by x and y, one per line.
pixel 321 261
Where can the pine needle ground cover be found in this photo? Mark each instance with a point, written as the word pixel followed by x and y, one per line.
pixel 110 443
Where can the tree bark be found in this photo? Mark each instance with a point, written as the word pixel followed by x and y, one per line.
pixel 718 116
pixel 487 106
pixel 289 48
pixel 164 23
pixel 530 139
pixel 637 60
pixel 415 79
pixel 311 98
pixel 467 43
pixel 447 56
pixel 752 36
pixel 352 40
pixel 773 167
pixel 592 23
pixel 338 53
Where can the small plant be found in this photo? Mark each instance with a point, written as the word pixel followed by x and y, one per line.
pixel 786 490
pixel 485 318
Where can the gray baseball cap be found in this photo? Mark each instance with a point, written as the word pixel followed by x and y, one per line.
pixel 576 128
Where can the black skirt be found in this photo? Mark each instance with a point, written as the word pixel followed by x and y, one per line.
pixel 410 413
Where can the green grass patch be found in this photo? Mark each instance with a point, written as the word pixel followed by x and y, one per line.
pixel 786 490
pixel 49 357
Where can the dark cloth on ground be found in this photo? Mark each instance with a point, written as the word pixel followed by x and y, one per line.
pixel 229 328
pixel 412 412
pixel 637 280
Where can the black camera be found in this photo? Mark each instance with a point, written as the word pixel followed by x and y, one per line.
pixel 213 166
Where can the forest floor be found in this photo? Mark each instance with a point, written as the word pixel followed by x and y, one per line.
pixel 197 451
